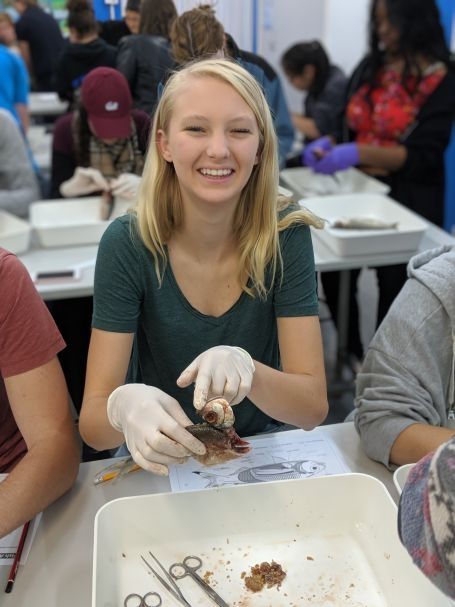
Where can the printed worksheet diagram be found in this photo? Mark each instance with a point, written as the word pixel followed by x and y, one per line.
pixel 283 455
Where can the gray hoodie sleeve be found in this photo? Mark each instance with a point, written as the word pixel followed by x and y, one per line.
pixel 407 373
pixel 18 183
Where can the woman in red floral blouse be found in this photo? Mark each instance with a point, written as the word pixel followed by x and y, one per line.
pixel 397 125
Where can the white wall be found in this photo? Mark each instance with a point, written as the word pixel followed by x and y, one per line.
pixel 346 31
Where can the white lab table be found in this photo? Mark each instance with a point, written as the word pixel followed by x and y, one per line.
pixel 83 257
pixel 59 568
pixel 46 104
pixel 41 260
pixel 326 260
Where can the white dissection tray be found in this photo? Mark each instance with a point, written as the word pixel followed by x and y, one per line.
pixel 406 236
pixel 335 537
pixel 69 221
pixel 14 233
pixel 304 182
pixel 400 476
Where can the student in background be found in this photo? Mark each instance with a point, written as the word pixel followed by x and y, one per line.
pixel 112 31
pixel 197 33
pixel 18 183
pixel 203 278
pixel 85 51
pixel 426 517
pixel 8 33
pixel 308 69
pixel 101 145
pixel 40 43
pixel 14 87
pixel 145 59
pixel 398 121
pixel 38 445
pixel 405 391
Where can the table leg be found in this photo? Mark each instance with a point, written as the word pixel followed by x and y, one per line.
pixel 343 322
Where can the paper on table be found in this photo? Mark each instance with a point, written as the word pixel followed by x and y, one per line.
pixel 9 543
pixel 285 455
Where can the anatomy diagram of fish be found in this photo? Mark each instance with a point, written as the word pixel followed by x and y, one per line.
pixel 267 472
pixel 286 455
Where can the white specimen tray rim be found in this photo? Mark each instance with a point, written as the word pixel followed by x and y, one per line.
pixel 400 476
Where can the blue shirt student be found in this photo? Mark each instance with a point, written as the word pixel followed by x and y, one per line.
pixel 14 83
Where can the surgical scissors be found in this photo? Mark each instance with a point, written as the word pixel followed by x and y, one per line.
pixel 171 587
pixel 132 600
pixel 189 566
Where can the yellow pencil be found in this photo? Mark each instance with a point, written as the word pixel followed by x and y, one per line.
pixel 110 473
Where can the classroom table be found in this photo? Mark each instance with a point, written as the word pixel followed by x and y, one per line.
pixel 39 260
pixel 46 104
pixel 59 568
pixel 83 257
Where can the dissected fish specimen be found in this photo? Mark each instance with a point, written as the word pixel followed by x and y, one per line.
pixel 221 445
pixel 363 223
pixel 218 412
pixel 217 433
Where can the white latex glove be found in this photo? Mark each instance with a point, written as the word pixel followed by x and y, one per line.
pixel 126 186
pixel 84 181
pixel 153 424
pixel 225 371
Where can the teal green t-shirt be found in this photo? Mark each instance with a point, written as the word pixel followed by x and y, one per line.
pixel 170 333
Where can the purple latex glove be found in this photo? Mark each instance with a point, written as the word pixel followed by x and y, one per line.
pixel 340 158
pixel 314 151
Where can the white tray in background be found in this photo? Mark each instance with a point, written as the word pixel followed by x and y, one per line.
pixel 400 476
pixel 306 183
pixel 70 221
pixel 336 537
pixel 405 237
pixel 14 233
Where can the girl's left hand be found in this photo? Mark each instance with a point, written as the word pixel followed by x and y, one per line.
pixel 126 186
pixel 225 371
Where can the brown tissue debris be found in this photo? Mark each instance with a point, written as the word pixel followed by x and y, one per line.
pixel 207 576
pixel 265 574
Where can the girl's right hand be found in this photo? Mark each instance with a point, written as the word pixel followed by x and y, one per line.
pixel 153 424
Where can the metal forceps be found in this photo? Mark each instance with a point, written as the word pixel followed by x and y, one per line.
pixel 136 600
pixel 189 566
pixel 170 586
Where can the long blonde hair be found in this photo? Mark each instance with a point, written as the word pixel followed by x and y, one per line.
pixel 255 224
